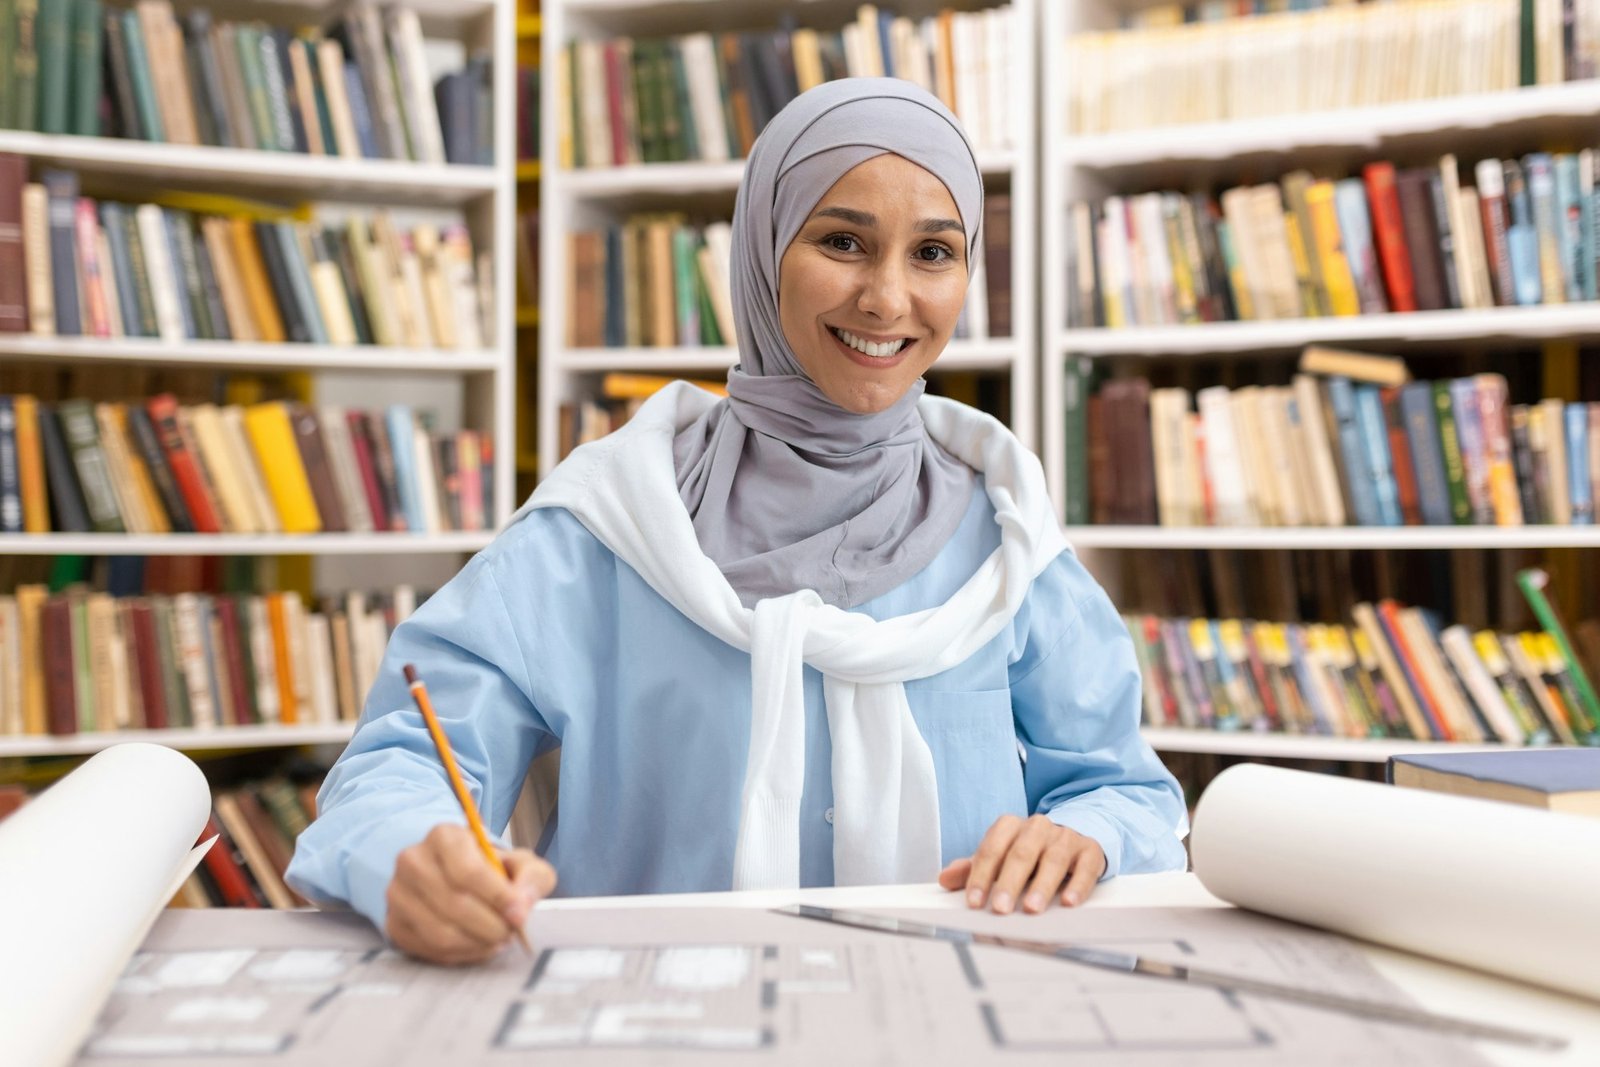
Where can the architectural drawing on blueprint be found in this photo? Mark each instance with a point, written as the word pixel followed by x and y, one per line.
pixel 638 986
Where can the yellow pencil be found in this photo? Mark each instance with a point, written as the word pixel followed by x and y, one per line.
pixel 419 693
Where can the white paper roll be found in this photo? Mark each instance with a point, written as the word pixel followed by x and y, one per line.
pixel 1499 887
pixel 85 868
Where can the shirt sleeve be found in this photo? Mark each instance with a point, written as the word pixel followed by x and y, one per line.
pixel 388 789
pixel 1076 697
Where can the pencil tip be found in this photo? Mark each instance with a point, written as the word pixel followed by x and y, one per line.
pixel 411 674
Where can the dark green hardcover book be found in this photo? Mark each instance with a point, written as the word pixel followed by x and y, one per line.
pixel 209 289
pixel 8 74
pixel 1450 444
pixel 277 90
pixel 144 86
pixel 54 46
pixel 25 66
pixel 172 681
pixel 324 119
pixel 1527 57
pixel 143 297
pixel 337 248
pixel 688 132
pixel 1076 390
pixel 82 437
pixel 87 71
pixel 639 74
pixel 125 105
pixel 211 97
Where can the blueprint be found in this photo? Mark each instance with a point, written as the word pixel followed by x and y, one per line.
pixel 681 986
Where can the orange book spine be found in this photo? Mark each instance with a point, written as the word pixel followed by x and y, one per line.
pixel 257 287
pixel 277 617
pixel 30 466
pixel 1390 611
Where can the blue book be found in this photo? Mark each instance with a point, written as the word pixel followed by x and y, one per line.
pixel 1310 691
pixel 294 264
pixel 1590 206
pixel 360 111
pixel 1227 716
pixel 401 424
pixel 113 219
pixel 1522 237
pixel 180 287
pixel 1474 449
pixel 1579 486
pixel 1569 226
pixel 1357 471
pixel 1541 171
pixel 1422 434
pixel 1380 464
pixel 1558 779
pixel 61 187
pixel 10 470
pixel 1355 236
pixel 1195 677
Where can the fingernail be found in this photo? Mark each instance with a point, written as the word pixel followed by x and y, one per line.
pixel 1070 899
pixel 974 898
pixel 1035 902
pixel 1002 902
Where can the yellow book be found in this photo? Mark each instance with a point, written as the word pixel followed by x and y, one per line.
pixel 273 439
pixel 1329 250
pixel 807 59
pixel 257 287
pixel 620 386
pixel 30 608
pixel 30 465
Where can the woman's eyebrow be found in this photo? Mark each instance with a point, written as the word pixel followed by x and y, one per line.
pixel 939 226
pixel 870 221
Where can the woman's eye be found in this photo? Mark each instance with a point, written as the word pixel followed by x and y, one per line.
pixel 842 242
pixel 935 254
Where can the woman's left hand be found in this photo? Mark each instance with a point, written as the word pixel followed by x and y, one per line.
pixel 1027 860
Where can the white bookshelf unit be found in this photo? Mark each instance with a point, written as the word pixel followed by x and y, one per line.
pixel 1079 167
pixel 478 386
pixel 584 198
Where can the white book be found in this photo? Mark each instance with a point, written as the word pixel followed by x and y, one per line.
pixel 1449 701
pixel 1457 644
pixel 415 84
pixel 976 309
pixel 716 269
pixel 1222 459
pixel 1150 225
pixel 456 262
pixel 264 657
pixel 1319 450
pixel 415 294
pixel 1285 459
pixel 330 62
pixel 319 655
pixel 427 480
pixel 192 660
pixel 108 281
pixel 36 254
pixel 346 476
pixel 705 96
pixel 595 116
pixel 1253 448
pixel 1169 414
pixel 10 667
pixel 246 464
pixel 355 610
pixel 158 265
pixel 405 601
pixel 1553 412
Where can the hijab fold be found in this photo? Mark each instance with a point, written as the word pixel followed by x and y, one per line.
pixel 786 489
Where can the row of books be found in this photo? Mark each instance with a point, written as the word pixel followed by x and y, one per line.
pixel 80 661
pixel 1331 452
pixel 72 266
pixel 656 280
pixel 363 92
pixel 160 467
pixel 256 825
pixel 1211 63
pixel 619 398
pixel 1391 672
pixel 1406 240
pixel 706 96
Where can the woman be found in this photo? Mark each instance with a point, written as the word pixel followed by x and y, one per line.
pixel 825 631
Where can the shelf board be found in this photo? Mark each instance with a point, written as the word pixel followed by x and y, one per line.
pixel 1499 324
pixel 267 357
pixel 188 740
pixel 1334 537
pixel 995 354
pixel 328 544
pixel 1296 746
pixel 296 173
pixel 1355 127
pixel 601 182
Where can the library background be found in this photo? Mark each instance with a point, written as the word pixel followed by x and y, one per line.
pixel 1296 299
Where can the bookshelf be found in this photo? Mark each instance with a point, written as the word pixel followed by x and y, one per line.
pixel 470 388
pixel 584 198
pixel 1217 154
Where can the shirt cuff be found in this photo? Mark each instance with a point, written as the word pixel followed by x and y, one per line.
pixel 371 865
pixel 1092 824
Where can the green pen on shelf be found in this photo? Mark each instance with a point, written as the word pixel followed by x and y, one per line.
pixel 1533 582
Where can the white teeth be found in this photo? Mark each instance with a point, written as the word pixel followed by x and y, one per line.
pixel 888 348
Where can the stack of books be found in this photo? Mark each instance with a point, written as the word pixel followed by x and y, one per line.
pixel 114 269
pixel 256 825
pixel 159 467
pixel 84 661
pixel 707 96
pixel 363 91
pixel 1406 240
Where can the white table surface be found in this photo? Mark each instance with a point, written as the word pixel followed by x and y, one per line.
pixel 1438 986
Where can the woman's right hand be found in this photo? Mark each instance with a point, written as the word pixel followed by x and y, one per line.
pixel 448 905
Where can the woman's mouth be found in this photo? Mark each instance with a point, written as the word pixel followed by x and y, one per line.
pixel 871 353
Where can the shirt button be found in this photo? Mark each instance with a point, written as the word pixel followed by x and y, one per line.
pixel 827 816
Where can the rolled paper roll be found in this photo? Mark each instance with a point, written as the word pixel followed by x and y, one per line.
pixel 85 869
pixel 1499 887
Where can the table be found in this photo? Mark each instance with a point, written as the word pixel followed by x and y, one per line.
pixel 1438 986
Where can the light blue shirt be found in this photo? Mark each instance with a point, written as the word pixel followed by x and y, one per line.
pixel 547 639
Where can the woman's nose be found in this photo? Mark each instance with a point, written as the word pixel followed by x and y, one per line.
pixel 886 292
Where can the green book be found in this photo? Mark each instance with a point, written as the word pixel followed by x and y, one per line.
pixel 54 32
pixel 89 460
pixel 173 685
pixel 710 332
pixel 8 44
pixel 144 86
pixel 1527 65
pixel 575 88
pixel 1534 583
pixel 82 674
pixel 688 134
pixel 647 103
pixel 1075 414
pixel 84 119
pixel 248 38
pixel 25 66
pixel 1455 471
pixel 685 286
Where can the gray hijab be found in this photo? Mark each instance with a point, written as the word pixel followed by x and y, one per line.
pixel 786 489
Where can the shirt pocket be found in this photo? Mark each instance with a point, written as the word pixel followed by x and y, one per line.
pixel 973 739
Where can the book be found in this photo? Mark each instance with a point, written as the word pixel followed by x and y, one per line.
pixel 1560 780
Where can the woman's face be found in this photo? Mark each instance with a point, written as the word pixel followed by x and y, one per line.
pixel 870 288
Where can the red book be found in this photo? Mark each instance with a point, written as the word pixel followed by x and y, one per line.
pixel 366 466
pixel 13 264
pixel 227 869
pixel 616 86
pixel 185 466
pixel 147 649
pixel 1405 471
pixel 227 609
pixel 1389 231
pixel 61 693
pixel 1389 615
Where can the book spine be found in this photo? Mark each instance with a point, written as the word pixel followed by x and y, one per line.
pixel 66 496
pixel 1450 449
pixel 62 189
pixel 88 458
pixel 10 470
pixel 163 413
pixel 13 255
